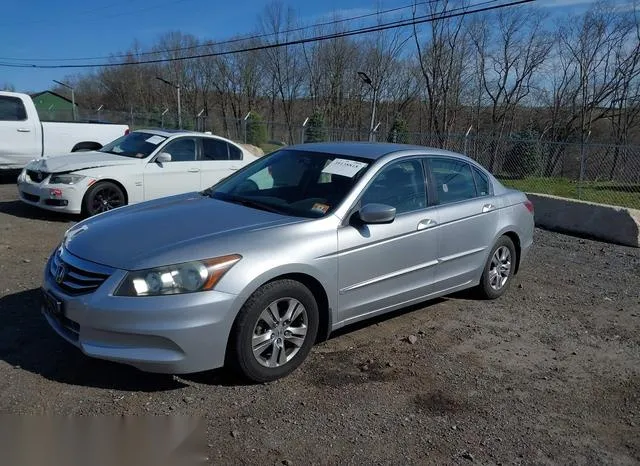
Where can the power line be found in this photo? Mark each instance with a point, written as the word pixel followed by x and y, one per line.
pixel 236 40
pixel 397 24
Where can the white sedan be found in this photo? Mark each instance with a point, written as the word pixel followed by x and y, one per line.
pixel 143 165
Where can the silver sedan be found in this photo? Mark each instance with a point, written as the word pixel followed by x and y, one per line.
pixel 251 272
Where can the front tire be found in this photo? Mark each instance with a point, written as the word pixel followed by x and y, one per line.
pixel 102 197
pixel 274 331
pixel 499 269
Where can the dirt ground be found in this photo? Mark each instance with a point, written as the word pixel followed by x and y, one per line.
pixel 549 374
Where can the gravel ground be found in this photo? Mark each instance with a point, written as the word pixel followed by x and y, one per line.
pixel 548 374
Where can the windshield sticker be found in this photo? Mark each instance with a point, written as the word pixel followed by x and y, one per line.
pixel 344 167
pixel 155 140
pixel 320 207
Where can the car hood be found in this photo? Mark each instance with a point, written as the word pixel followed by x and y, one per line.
pixel 79 161
pixel 166 231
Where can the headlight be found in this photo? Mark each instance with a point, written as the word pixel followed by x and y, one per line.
pixel 187 277
pixel 66 179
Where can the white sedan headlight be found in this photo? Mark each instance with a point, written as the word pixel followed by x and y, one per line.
pixel 66 179
pixel 187 277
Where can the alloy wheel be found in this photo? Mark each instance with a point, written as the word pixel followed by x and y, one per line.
pixel 280 332
pixel 106 199
pixel 500 268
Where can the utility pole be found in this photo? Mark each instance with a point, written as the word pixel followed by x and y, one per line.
pixel 73 98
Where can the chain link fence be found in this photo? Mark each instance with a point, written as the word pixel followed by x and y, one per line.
pixel 602 173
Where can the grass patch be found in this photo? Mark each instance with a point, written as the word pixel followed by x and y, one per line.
pixel 603 192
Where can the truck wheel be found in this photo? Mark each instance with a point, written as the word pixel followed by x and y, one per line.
pixel 102 197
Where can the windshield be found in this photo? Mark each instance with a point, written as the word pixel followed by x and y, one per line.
pixel 293 182
pixel 136 144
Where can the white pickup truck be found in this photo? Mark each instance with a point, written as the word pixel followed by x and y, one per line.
pixel 24 137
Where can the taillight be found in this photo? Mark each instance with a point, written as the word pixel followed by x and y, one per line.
pixel 126 131
pixel 529 205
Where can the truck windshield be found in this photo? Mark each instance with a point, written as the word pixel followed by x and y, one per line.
pixel 137 144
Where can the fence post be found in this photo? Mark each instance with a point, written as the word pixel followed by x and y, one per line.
pixel 303 130
pixel 466 140
pixel 583 161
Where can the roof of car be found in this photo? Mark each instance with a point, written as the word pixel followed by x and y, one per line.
pixel 164 132
pixel 369 150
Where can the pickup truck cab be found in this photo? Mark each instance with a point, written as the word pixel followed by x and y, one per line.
pixel 24 137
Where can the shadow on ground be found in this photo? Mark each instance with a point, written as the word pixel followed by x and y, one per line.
pixel 385 317
pixel 21 210
pixel 27 341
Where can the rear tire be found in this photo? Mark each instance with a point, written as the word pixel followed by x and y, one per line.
pixel 102 197
pixel 499 269
pixel 274 331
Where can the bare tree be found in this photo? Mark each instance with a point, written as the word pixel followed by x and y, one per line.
pixel 626 96
pixel 283 63
pixel 586 79
pixel 511 46
pixel 442 59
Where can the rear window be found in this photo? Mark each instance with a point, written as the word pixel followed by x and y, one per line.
pixel 12 109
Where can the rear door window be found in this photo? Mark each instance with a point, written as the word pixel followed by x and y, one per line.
pixel 234 153
pixel 12 109
pixel 214 149
pixel 454 181
pixel 482 182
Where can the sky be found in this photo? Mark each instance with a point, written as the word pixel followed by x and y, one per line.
pixel 41 29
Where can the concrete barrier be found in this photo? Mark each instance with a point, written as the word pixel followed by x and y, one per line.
pixel 598 221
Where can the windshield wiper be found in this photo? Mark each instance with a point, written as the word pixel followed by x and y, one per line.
pixel 250 203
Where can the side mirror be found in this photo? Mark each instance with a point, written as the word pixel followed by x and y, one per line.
pixel 377 213
pixel 163 157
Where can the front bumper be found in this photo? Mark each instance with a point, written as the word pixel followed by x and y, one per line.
pixel 165 334
pixel 40 195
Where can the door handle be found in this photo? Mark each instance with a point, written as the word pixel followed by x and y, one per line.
pixel 487 207
pixel 194 170
pixel 24 130
pixel 426 223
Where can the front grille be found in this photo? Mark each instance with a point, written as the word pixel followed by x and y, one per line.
pixel 37 176
pixel 30 197
pixel 78 276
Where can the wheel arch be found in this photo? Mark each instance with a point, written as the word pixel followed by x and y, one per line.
pixel 86 145
pixel 321 297
pixel 103 180
pixel 306 278
pixel 515 239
